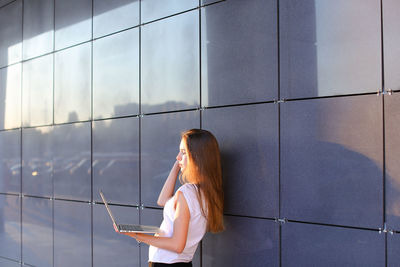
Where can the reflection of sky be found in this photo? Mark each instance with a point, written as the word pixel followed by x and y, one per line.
pixel 10 78
pixel 342 45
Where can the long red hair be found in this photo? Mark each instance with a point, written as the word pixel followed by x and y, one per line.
pixel 204 169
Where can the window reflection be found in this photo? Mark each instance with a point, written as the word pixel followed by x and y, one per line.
pixel 112 16
pixel 116 75
pixel 170 72
pixel 37 91
pixel 10 96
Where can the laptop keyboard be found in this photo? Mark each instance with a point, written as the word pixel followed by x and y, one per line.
pixel 129 227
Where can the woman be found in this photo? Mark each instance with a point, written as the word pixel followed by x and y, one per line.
pixel 196 207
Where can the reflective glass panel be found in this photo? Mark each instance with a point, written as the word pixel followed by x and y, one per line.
pixel 37 231
pixel 37 162
pixel 109 247
pixel 116 75
pixel 393 245
pixel 10 161
pixel 38 33
pixel 72 87
pixel 112 16
pixel 160 148
pixel 229 248
pixel 10 227
pixel 155 9
pixel 317 245
pixel 170 64
pixel 72 234
pixel 328 153
pixel 10 97
pixel 10 33
pixel 37 91
pixel 71 161
pixel 73 23
pixel 239 66
pixel 391 35
pixel 248 139
pixel 329 47
pixel 392 145
pixel 149 217
pixel 9 263
pixel 116 160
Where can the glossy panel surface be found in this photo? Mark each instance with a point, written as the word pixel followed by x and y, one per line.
pixel 393 245
pixel 161 135
pixel 10 227
pixel 37 91
pixel 392 144
pixel 331 161
pixel 391 33
pixel 110 248
pixel 10 34
pixel 155 9
pixel 10 97
pixel 72 87
pixel 37 166
pixel 71 161
pixel 38 33
pixel 315 245
pixel 72 234
pixel 116 75
pixel 148 217
pixel 248 139
pixel 170 72
pixel 112 16
pixel 329 47
pixel 10 161
pixel 8 263
pixel 229 248
pixel 37 231
pixel 239 66
pixel 116 160
pixel 73 22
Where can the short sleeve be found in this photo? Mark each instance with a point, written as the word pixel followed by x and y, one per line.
pixel 190 194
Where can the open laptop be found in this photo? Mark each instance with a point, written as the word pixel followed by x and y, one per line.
pixel 131 228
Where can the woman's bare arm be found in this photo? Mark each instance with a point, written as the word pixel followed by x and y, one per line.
pixel 177 241
pixel 168 189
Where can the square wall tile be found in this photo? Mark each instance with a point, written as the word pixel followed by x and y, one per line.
pixel 37 164
pixel 116 160
pixel 116 75
pixel 72 234
pixel 10 161
pixel 170 72
pixel 230 248
pixel 37 231
pixel 329 47
pixel 72 161
pixel 239 59
pixel 10 227
pixel 37 91
pixel 248 140
pixel 72 84
pixel 109 247
pixel 332 161
pixel 317 245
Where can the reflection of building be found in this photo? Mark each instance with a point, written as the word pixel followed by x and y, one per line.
pixel 288 88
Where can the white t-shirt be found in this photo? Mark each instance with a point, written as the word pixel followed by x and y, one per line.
pixel 196 231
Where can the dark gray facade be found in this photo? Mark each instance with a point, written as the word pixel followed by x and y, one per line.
pixel 302 95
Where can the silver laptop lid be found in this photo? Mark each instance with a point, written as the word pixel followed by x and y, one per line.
pixel 108 209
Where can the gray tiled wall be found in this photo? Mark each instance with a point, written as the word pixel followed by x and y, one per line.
pixel 303 97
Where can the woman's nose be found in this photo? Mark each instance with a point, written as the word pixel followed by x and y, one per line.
pixel 178 157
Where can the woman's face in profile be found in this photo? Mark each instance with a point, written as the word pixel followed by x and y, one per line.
pixel 182 156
